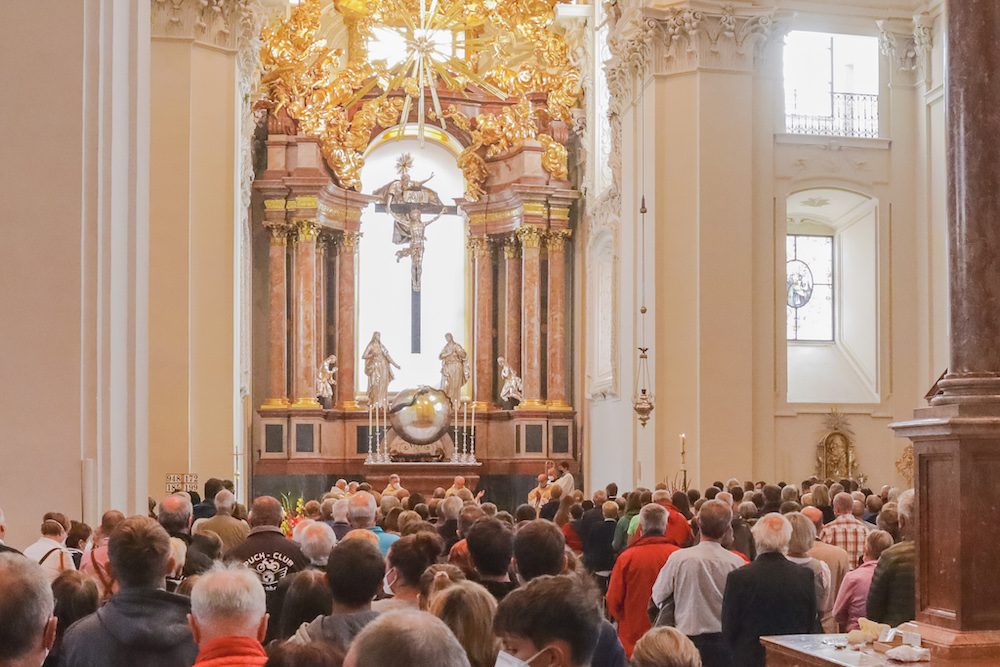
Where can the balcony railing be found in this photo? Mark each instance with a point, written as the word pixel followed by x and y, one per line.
pixel 852 115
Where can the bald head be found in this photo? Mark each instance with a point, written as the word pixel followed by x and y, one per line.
pixel 266 511
pixel 361 511
pixel 175 514
pixel 815 515
pixel 459 482
pixel 543 479
pixel 843 503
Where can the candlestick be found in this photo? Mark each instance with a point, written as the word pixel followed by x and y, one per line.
pixel 472 437
pixel 454 432
pixel 465 431
pixel 682 450
pixel 371 457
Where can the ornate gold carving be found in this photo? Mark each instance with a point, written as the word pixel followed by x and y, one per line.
pixel 555 239
pixel 511 248
pixel 837 456
pixel 290 205
pixel 340 213
pixel 905 463
pixel 479 246
pixel 534 207
pixel 305 202
pixel 509 50
pixel 554 156
pixel 279 232
pixel 275 404
pixel 308 230
pixel 274 204
pixel 531 237
pixel 559 213
pixel 349 241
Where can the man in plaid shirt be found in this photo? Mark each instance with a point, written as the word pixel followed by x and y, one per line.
pixel 846 531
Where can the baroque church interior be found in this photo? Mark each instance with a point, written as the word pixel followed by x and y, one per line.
pixel 667 240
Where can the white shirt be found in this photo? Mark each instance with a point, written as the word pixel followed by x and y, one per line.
pixel 567 483
pixel 697 579
pixel 56 562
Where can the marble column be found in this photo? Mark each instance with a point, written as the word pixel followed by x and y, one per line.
pixel 531 317
pixel 957 439
pixel 278 321
pixel 556 348
pixel 321 244
pixel 305 360
pixel 479 246
pixel 512 306
pixel 346 286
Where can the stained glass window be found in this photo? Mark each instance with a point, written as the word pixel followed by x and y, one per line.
pixel 809 284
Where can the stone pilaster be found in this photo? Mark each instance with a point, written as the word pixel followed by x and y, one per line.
pixel 556 341
pixel 346 316
pixel 512 306
pixel 531 317
pixel 278 299
pixel 305 356
pixel 479 247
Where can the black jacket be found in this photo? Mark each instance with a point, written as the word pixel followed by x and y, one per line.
pixel 136 627
pixel 770 596
pixel 548 510
pixel 598 552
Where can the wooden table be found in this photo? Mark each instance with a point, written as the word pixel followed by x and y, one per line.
pixel 819 651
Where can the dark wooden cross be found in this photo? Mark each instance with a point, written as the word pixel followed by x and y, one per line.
pixel 404 208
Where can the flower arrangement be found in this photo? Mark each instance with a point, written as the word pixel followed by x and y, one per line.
pixel 292 513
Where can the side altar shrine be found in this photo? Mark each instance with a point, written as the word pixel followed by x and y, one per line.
pixel 500 406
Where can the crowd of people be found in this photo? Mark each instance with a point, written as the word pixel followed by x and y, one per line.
pixel 651 578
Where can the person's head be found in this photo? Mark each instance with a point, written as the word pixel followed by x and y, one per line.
pixel 450 507
pixel 539 548
pixel 313 654
pixel 306 596
pixel 435 579
pixel 354 572
pixel 820 495
pixel 27 626
pixel 664 646
pixel 467 516
pixel 75 596
pixel 653 519
pixel 524 512
pixel 79 534
pixel 888 520
pixel 714 520
pixel 212 488
pixel 807 500
pixel 737 493
pixel 747 510
pixel 543 480
pixel 843 504
pixel 694 495
pixel 203 553
pixel 772 533
pixel 877 542
pixel 859 510
pixel 491 545
pixel 459 482
pixel 634 502
pixel 789 506
pixel 556 492
pixel 361 510
pixel 139 551
pixel 312 510
pixel 408 558
pixel 468 610
pixel 803 534
pixel 339 510
pixel 228 601
pixel 789 493
pixel 711 492
pixel 415 639
pixel 836 488
pixel 815 515
pixel 554 615
pixel 55 526
pixel 266 511
pixel 562 468
pixel 361 534
pixel 225 502
pixel 316 541
pixel 904 506
pixel 873 503
pixel 609 510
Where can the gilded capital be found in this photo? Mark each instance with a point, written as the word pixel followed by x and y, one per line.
pixel 215 22
pixel 349 241
pixel 511 248
pixel 274 204
pixel 556 238
pixel 531 237
pixel 279 232
pixel 308 230
pixel 479 246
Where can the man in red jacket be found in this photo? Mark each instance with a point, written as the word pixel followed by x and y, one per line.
pixel 228 618
pixel 635 571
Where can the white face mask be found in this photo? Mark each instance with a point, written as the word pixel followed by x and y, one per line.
pixel 505 659
pixel 387 585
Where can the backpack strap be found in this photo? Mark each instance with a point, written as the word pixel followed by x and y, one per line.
pixel 48 553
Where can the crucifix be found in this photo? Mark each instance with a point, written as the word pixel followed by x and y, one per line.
pixel 408 201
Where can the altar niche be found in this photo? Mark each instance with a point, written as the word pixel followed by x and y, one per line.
pixel 412 258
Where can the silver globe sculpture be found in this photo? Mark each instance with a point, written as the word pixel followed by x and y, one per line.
pixel 420 416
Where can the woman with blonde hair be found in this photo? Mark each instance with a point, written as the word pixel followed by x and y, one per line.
pixel 821 500
pixel 665 646
pixel 468 610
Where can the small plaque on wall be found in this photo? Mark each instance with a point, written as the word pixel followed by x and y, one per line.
pixel 175 482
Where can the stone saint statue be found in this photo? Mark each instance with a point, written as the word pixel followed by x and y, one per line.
pixel 378 368
pixel 326 378
pixel 455 370
pixel 512 387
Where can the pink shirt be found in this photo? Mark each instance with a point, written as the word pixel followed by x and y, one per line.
pixel 852 600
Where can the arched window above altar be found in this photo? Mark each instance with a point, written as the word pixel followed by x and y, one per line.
pixel 387 301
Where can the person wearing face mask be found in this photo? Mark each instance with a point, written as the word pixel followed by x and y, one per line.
pixel 50 550
pixel 549 622
pixel 407 560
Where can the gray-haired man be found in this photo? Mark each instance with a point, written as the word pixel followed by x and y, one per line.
pixel 27 626
pixel 228 617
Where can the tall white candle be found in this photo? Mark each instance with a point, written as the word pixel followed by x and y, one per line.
pixel 682 451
